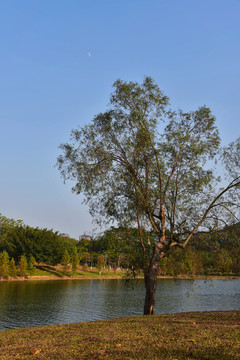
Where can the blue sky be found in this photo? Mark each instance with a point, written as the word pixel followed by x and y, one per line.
pixel 58 61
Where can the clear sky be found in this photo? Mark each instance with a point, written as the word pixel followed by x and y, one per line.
pixel 58 61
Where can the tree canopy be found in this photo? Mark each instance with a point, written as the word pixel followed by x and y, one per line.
pixel 142 162
pixel 45 245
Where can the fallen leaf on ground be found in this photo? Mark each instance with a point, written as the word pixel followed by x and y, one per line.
pixel 36 351
pixel 101 352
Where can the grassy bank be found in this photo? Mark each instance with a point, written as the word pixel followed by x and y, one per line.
pixel 199 336
pixel 49 272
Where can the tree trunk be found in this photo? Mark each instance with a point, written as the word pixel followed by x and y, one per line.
pixel 150 277
pixel 150 286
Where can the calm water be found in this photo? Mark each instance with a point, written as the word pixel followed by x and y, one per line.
pixel 36 303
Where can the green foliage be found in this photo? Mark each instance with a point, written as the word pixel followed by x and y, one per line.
pixel 66 261
pixel 7 224
pixel 12 268
pixel 66 258
pixel 31 263
pixel 122 246
pixel 83 245
pixel 23 266
pixel 75 260
pixel 4 263
pixel 100 263
pixel 85 258
pixel 44 245
pixel 216 253
pixel 133 170
pixel 120 161
pixel 231 157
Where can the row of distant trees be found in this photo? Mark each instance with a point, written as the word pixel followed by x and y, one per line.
pixel 9 268
pixel 215 253
pixel 21 246
pixel 46 246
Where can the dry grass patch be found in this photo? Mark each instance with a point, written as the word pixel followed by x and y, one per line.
pixel 200 336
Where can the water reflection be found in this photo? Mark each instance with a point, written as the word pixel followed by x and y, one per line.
pixel 36 303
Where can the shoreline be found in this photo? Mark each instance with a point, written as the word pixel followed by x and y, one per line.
pixel 116 277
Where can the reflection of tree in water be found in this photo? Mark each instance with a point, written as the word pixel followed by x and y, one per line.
pixel 130 282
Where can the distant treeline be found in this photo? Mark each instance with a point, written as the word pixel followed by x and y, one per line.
pixel 215 253
pixel 44 245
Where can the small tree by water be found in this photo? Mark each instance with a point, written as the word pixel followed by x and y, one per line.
pixel 4 263
pixel 66 261
pixel 31 263
pixel 75 260
pixel 23 266
pixel 12 268
pixel 100 263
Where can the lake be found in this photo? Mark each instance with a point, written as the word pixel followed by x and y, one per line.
pixel 37 303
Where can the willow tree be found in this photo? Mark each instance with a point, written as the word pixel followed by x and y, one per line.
pixel 141 162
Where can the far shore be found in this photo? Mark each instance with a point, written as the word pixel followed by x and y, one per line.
pixel 50 272
pixel 115 277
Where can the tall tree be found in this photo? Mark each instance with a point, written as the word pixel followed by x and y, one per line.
pixel 131 168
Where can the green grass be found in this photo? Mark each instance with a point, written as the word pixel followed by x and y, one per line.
pixel 54 272
pixel 95 274
pixel 199 336
pixel 57 272
pixel 42 272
